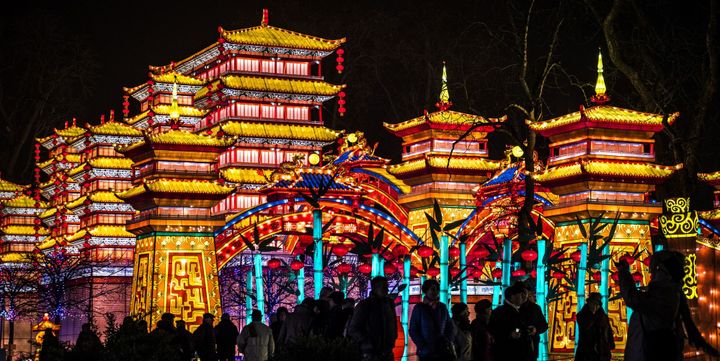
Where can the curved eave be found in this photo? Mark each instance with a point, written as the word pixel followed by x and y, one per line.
pixel 177 189
pixel 271 85
pixel 245 175
pixel 277 131
pixel 603 117
pixel 444 120
pixel 606 171
pixel 266 35
pixel 710 178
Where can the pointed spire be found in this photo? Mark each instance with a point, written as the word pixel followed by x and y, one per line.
pixel 265 17
pixel 444 102
pixel 600 97
pixel 174 109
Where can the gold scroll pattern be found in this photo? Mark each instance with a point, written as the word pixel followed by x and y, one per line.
pixel 690 280
pixel 186 288
pixel 140 290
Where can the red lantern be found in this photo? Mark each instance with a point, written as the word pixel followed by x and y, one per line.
pixel 344 268
pixel 400 251
pixel 529 255
pixel 433 271
pixel 615 277
pixel 274 263
pixel 596 276
pixel 575 256
pixel 297 265
pixel 413 272
pixel 628 258
pixel 518 273
pixel 425 251
pixel 646 262
pixel 340 60
pixel 481 252
pixel 340 250
pixel 637 277
pixel 533 273
pixel 454 272
pixel 558 275
pixel 496 273
pixel 389 268
pixel 477 273
pixel 454 252
pixel 365 268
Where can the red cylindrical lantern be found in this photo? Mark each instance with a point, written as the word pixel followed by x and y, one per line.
pixel 274 263
pixel 454 252
pixel 518 273
pixel 596 276
pixel 454 272
pixel 558 275
pixel 496 273
pixel 481 252
pixel 433 271
pixel 365 268
pixel 296 265
pixel 533 273
pixel 425 251
pixel 637 277
pixel 646 261
pixel 477 273
pixel 413 272
pixel 340 60
pixel 389 268
pixel 529 255
pixel 628 258
pixel 615 277
pixel 344 268
pixel 575 256
pixel 340 250
pixel 400 251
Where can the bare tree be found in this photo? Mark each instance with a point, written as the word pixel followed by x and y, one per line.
pixel 17 296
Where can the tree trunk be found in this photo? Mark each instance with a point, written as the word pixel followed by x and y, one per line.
pixel 11 339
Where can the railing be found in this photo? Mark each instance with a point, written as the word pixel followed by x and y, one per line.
pixel 143 172
pixel 604 201
pixel 155 215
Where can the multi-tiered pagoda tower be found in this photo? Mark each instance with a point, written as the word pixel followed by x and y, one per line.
pixel 601 164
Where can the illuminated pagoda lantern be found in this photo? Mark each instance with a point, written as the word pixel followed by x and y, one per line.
pixel 174 188
pixel 433 169
pixel 712 216
pixel 601 166
pixel 20 227
pixel 9 190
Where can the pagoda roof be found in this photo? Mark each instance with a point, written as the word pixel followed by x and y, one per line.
pixel 276 130
pixel 22 201
pixel 181 137
pixel 48 242
pixel 76 203
pixel 271 84
pixel 168 77
pixel 277 37
pixel 711 215
pixel 23 230
pixel 444 120
pixel 602 116
pixel 164 109
pixel 710 178
pixel 48 212
pixel 246 175
pixel 104 163
pixel 440 162
pixel 607 168
pixel 105 231
pixel 357 156
pixel 71 157
pixel 7 186
pixel 115 128
pixel 12 257
pixel 165 185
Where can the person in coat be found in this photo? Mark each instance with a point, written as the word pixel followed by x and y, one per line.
pixel 298 323
pixel 280 317
pixel 481 338
pixel 256 340
pixel 431 328
pixel 596 339
pixel 533 317
pixel 463 334
pixel 374 325
pixel 511 335
pixel 661 315
pixel 226 334
pixel 204 339
pixel 88 345
pixel 183 341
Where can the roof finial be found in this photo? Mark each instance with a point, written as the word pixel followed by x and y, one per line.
pixel 265 18
pixel 174 109
pixel 600 97
pixel 444 103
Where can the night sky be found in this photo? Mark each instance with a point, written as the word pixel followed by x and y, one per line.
pixel 394 53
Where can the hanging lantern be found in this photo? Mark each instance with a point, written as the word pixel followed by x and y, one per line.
pixel 533 273
pixel 340 61
pixel 628 258
pixel 477 273
pixel 274 263
pixel 646 261
pixel 615 277
pixel 389 268
pixel 637 277
pixel 365 268
pixel 576 256
pixel 341 107
pixel 454 252
pixel 340 250
pixel 433 272
pixel 414 272
pixel 344 268
pixel 529 255
pixel 518 273
pixel 558 275
pixel 496 273
pixel 425 251
pixel 400 251
pixel 297 265
pixel 481 252
pixel 454 272
pixel 596 276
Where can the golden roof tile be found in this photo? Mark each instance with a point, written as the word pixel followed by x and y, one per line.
pixel 164 109
pixel 105 197
pixel 600 168
pixel 71 157
pixel 107 231
pixel 7 186
pixel 407 167
pixel 245 175
pixel 709 177
pixel 459 163
pixel 103 163
pixel 23 230
pixel 711 215
pixel 76 203
pixel 115 128
pixel 70 132
pixel 175 77
pixel 604 114
pixel 22 201
pixel 164 185
pixel 48 242
pixel 282 131
pixel 182 137
pixel 48 213
pixel 276 37
pixel 276 85
pixel 13 257
pixel 447 117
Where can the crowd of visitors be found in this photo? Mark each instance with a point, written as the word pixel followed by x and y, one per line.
pixel 660 323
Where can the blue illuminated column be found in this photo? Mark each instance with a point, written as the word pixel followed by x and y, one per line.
pixel 463 274
pixel 582 271
pixel 497 291
pixel 405 305
pixel 540 296
pixel 259 291
pixel 444 272
pixel 317 254
pixel 377 266
pixel 506 263
pixel 658 248
pixel 422 294
pixel 248 297
pixel 604 275
pixel 343 284
pixel 301 285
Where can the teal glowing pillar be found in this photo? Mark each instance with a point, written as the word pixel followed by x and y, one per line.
pixel 581 275
pixel 604 275
pixel 259 289
pixel 463 274
pixel 444 271
pixel 377 266
pixel 317 254
pixel 506 263
pixel 497 290
pixel 422 294
pixel 405 305
pixel 658 248
pixel 540 296
pixel 248 297
pixel 301 285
